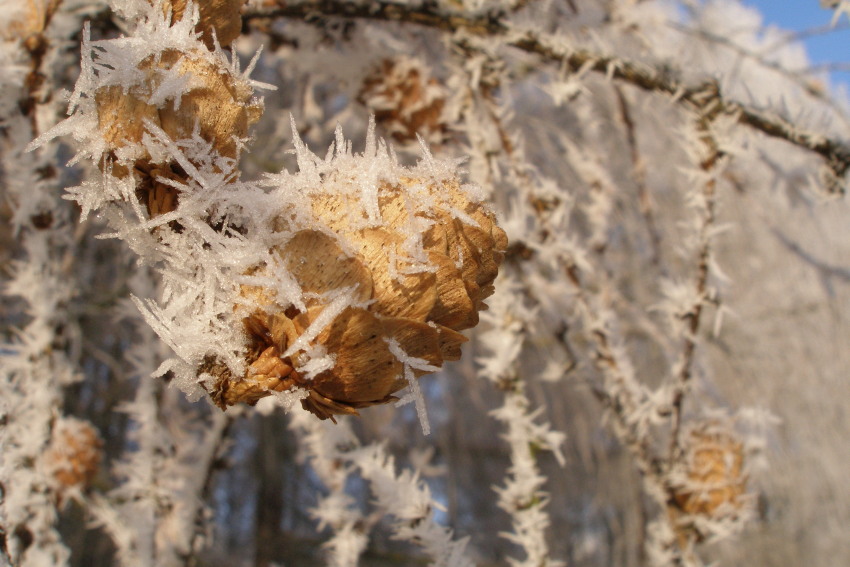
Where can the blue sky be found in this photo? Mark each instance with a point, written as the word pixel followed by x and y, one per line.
pixel 807 14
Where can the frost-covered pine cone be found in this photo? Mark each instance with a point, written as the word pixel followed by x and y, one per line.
pixel 406 100
pixel 162 83
pixel 387 289
pixel 710 482
pixel 73 457
pixel 215 104
pixel 211 99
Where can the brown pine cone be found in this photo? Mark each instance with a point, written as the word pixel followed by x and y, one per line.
pixel 220 104
pixel 405 100
pixel 74 454
pixel 712 484
pixel 715 474
pixel 415 295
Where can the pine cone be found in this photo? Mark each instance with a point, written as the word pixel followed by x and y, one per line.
pixel 713 484
pixel 221 106
pixel 405 100
pixel 73 456
pixel 404 291
pixel 715 479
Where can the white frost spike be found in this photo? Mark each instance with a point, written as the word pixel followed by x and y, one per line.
pixel 304 158
pixel 415 395
pixel 371 148
pixel 340 302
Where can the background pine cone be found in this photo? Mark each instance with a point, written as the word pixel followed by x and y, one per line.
pixel 715 474
pixel 406 100
pixel 712 481
pixel 74 454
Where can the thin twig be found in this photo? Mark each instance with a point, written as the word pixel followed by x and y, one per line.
pixel 693 316
pixel 639 173
pixel 425 15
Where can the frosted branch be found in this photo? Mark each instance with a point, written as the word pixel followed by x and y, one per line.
pixel 691 313
pixel 407 498
pixel 335 452
pixel 522 495
pixel 835 153
pixel 321 445
pixel 35 368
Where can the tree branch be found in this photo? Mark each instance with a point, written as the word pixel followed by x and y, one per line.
pixel 835 153
pixel 425 15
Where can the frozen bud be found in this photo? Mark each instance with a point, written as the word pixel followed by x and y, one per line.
pixel 710 484
pixel 73 456
pixel 219 16
pixel 405 100
pixel 404 268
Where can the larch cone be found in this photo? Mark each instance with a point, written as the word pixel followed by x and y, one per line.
pixel 713 485
pixel 406 100
pixel 73 456
pixel 217 103
pixel 407 290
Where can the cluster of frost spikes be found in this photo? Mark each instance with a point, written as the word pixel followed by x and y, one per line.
pixel 335 452
pixel 522 496
pixel 408 500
